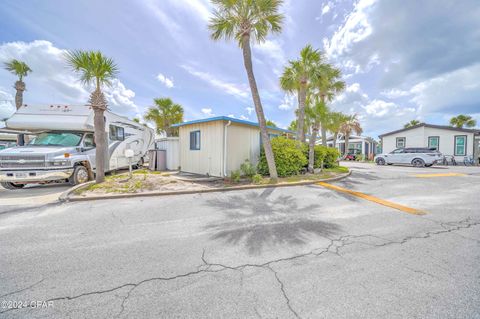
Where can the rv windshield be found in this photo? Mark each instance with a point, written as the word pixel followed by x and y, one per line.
pixel 57 139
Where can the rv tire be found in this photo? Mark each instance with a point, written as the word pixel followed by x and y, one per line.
pixel 80 175
pixel 12 186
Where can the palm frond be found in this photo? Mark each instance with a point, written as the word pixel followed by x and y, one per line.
pixel 18 68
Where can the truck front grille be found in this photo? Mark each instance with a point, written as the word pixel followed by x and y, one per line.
pixel 22 161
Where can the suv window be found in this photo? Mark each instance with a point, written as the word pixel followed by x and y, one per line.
pixel 398 151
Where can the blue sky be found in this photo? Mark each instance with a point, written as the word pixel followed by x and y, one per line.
pixel 401 60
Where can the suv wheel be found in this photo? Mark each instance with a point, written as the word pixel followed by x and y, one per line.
pixel 79 176
pixel 12 186
pixel 418 162
pixel 380 161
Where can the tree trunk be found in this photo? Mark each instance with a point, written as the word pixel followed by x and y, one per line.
pixel 20 87
pixel 311 148
pixel 324 136
pixel 302 96
pixel 347 138
pixel 99 105
pixel 335 136
pixel 267 146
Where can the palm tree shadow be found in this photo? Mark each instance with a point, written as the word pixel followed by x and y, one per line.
pixel 256 221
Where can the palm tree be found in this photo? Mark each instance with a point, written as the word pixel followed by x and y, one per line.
pixel 95 69
pixel 336 120
pixel 462 120
pixel 327 85
pixel 350 125
pixel 244 21
pixel 411 123
pixel 297 77
pixel 21 70
pixel 164 114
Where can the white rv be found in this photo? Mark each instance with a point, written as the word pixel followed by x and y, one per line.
pixel 64 147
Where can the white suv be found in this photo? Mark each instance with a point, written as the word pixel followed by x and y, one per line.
pixel 416 156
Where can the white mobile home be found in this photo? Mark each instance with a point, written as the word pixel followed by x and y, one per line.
pixel 219 145
pixel 450 141
pixel 366 146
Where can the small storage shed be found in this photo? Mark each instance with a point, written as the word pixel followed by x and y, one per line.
pixel 219 145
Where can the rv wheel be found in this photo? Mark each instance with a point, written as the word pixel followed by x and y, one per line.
pixel 12 186
pixel 79 176
pixel 139 165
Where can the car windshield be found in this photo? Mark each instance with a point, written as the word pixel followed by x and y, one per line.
pixel 57 139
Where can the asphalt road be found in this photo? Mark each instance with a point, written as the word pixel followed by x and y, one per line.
pixel 307 252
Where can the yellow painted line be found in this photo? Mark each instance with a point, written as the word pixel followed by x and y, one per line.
pixel 438 175
pixel 374 199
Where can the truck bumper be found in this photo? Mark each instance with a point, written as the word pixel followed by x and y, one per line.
pixel 35 176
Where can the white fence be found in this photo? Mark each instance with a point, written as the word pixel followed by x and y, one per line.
pixel 172 146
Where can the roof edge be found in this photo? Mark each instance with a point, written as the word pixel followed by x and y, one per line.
pixel 441 127
pixel 226 118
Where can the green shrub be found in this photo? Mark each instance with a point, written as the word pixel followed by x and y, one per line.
pixel 248 169
pixel 257 178
pixel 289 158
pixel 235 176
pixel 359 157
pixel 327 155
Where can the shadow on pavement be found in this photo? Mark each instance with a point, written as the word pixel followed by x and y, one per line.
pixel 255 220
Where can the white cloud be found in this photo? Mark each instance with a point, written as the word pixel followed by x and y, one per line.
pixel 207 111
pixel 460 88
pixel 168 82
pixel 288 102
pixel 326 9
pixel 243 117
pixel 52 82
pixel 395 93
pixel 197 8
pixel 249 110
pixel 7 104
pixel 236 90
pixel 273 54
pixel 355 29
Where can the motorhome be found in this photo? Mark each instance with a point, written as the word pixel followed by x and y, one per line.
pixel 63 148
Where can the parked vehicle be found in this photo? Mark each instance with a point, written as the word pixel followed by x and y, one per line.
pixel 416 156
pixel 64 146
pixel 352 154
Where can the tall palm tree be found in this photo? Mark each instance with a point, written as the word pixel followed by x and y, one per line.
pixel 462 120
pixel 21 70
pixel 336 120
pixel 411 123
pixel 297 77
pixel 327 84
pixel 350 125
pixel 164 114
pixel 95 69
pixel 244 21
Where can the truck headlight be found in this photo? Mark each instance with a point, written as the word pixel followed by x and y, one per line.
pixel 59 163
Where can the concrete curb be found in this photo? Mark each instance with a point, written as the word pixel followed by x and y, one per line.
pixel 65 196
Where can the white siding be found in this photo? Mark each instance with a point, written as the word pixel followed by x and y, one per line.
pixel 243 143
pixel 207 160
pixel 418 137
pixel 172 146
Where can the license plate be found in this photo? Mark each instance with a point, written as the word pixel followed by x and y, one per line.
pixel 20 175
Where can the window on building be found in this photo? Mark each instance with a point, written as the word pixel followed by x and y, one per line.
pixel 195 140
pixel 460 145
pixel 117 133
pixel 433 142
pixel 401 142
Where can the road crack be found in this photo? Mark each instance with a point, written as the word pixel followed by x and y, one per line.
pixel 334 247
